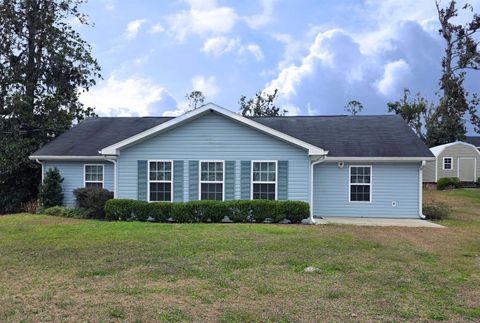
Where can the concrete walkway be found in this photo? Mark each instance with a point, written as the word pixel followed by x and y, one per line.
pixel 380 222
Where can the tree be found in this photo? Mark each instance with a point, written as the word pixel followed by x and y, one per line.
pixel 44 66
pixel 354 107
pixel 461 54
pixel 262 104
pixel 194 100
pixel 50 192
pixel 416 112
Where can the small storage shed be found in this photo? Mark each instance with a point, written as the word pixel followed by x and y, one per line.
pixel 456 159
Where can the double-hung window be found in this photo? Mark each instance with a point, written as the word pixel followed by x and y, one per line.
pixel 264 180
pixel 447 163
pixel 160 181
pixel 93 176
pixel 211 180
pixel 360 183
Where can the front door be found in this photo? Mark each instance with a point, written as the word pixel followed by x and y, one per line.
pixel 466 169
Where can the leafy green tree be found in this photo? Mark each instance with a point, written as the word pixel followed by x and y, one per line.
pixel 44 66
pixel 416 112
pixel 194 100
pixel 354 107
pixel 461 54
pixel 50 192
pixel 262 104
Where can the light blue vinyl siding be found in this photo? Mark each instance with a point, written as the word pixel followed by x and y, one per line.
pixel 73 173
pixel 215 137
pixel 391 182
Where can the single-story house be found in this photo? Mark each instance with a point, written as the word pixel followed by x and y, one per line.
pixel 457 159
pixel 363 166
pixel 473 140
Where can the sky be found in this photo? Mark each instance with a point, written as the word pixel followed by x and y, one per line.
pixel 319 54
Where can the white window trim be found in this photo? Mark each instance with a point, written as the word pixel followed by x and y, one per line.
pixel 350 184
pixel 200 182
pixel 451 163
pixel 157 181
pixel 264 182
pixel 85 175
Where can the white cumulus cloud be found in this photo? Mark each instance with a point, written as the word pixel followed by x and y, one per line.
pixel 207 85
pixel 221 45
pixel 132 96
pixel 202 17
pixel 133 27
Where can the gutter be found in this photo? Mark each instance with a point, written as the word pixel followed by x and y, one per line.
pixel 319 159
pixel 113 159
pixel 43 170
pixel 420 190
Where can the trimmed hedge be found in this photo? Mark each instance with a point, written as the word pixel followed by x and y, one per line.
pixel 207 211
pixel 448 182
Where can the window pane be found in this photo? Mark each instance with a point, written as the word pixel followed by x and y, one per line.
pixel 211 171
pixel 360 193
pixel 211 191
pixel 264 191
pixel 160 171
pixel 360 175
pixel 161 192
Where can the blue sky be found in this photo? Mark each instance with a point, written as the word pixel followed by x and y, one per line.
pixel 319 54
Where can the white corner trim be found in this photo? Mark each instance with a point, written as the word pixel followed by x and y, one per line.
pixel 420 189
pixel 113 149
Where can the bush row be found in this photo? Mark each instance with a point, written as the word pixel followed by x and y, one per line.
pixel 79 213
pixel 207 211
pixel 93 199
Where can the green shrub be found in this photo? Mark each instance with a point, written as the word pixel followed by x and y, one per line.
pixel 50 192
pixel 239 211
pixel 66 212
pixel 58 211
pixel 437 211
pixel 94 199
pixel 295 211
pixel 207 211
pixel 448 182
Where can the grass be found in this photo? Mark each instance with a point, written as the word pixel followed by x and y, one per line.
pixel 57 269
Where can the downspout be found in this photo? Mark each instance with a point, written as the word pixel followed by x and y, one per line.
pixel 420 189
pixel 114 161
pixel 43 169
pixel 315 160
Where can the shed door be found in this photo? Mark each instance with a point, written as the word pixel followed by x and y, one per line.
pixel 466 169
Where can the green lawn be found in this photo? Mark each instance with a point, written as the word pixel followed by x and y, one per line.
pixel 69 270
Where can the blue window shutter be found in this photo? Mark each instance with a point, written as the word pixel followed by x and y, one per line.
pixel 142 180
pixel 193 180
pixel 245 179
pixel 283 180
pixel 178 180
pixel 230 180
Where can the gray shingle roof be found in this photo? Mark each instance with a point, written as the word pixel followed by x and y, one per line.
pixel 473 140
pixel 342 136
